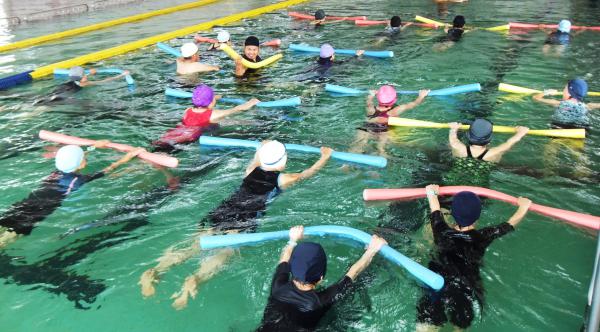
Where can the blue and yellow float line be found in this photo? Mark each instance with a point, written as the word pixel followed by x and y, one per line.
pixel 28 76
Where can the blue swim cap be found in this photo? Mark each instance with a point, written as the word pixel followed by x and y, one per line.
pixel 308 262
pixel 578 88
pixel 69 158
pixel 466 208
pixel 564 26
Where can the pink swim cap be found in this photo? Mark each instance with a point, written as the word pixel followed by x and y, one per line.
pixel 386 95
pixel 203 96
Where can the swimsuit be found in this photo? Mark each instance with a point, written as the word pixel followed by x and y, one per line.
pixel 196 119
pixel 376 127
pixel 571 113
pixel 470 171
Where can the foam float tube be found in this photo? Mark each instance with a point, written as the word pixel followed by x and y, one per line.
pixel 376 161
pixel 274 43
pixel 254 65
pixel 310 49
pixel 421 273
pixel 575 218
pixel 562 133
pixel 430 21
pixel 302 16
pixel 128 78
pixel 521 90
pixel 369 23
pixel 475 87
pixel 288 102
pixel 155 158
pixel 515 25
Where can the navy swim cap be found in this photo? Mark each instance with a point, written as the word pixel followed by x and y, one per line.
pixel 308 262
pixel 577 88
pixel 319 14
pixel 459 21
pixel 395 22
pixel 466 208
pixel 480 132
pixel 251 41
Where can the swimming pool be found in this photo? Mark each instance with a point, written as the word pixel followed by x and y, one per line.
pixel 536 279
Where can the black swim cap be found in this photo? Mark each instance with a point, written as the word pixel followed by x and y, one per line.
pixel 459 21
pixel 308 262
pixel 480 132
pixel 252 41
pixel 319 14
pixel 395 22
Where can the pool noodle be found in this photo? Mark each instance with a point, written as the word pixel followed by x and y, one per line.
pixel 576 218
pixel 288 102
pixel 254 65
pixel 200 39
pixel 514 25
pixel 440 92
pixel 376 161
pixel 418 271
pixel 128 78
pixel 168 49
pixel 155 158
pixel 302 16
pixel 518 89
pixel 369 23
pixel 376 54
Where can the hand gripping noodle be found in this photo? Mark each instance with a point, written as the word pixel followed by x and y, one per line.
pixel 562 133
pixel 345 156
pixel 288 102
pixel 575 218
pixel 155 158
pixel 254 65
pixel 421 273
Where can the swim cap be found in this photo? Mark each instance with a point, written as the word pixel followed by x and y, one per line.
pixel 578 88
pixel 76 73
pixel 251 41
pixel 203 95
pixel 327 51
pixel 319 14
pixel 188 50
pixel 395 22
pixel 68 158
pixel 223 36
pixel 480 132
pixel 459 21
pixel 386 95
pixel 308 262
pixel 564 26
pixel 466 208
pixel 272 155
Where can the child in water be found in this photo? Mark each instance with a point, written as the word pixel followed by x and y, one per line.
pixel 188 62
pixel 453 34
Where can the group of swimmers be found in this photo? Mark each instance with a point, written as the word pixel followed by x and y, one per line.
pixel 294 302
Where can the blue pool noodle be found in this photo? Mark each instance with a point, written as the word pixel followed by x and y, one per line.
pixel 288 102
pixel 376 54
pixel 169 49
pixel 128 78
pixel 440 92
pixel 376 161
pixel 428 277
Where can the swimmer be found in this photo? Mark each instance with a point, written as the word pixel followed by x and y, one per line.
pixel 251 53
pixel 78 79
pixel 453 34
pixel 202 116
pixel 327 57
pixel 392 30
pixel 70 160
pixel 571 111
pixel 459 251
pixel 294 303
pixel 188 63
pixel 377 116
pixel 320 19
pixel 474 162
pixel 264 179
pixel 222 38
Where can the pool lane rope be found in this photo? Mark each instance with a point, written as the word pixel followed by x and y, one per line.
pixel 561 133
pixel 421 273
pixel 475 87
pixel 25 77
pixel 288 102
pixel 376 161
pixel 61 72
pixel 527 91
pixel 101 25
pixel 574 218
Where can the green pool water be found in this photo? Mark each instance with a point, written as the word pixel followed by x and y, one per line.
pixel 536 278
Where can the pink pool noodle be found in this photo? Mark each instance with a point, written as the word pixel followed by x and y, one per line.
pixel 514 25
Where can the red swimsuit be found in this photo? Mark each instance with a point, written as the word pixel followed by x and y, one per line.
pixel 194 119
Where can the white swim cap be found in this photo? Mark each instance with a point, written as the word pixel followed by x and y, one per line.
pixel 188 50
pixel 564 26
pixel 69 158
pixel 223 36
pixel 272 156
pixel 76 73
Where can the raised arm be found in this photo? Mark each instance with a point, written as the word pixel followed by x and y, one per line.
pixel 524 205
pixel 240 69
pixel 296 234
pixel 287 180
pixel 370 107
pixel 396 111
pixel 372 250
pixel 540 97
pixel 496 153
pixel 255 162
pixel 458 148
pixel 220 114
pixel 125 73
pixel 432 191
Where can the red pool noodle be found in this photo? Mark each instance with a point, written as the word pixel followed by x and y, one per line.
pixel 576 218
pixel 312 17
pixel 514 25
pixel 155 158
pixel 200 39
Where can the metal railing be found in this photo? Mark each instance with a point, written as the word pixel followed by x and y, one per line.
pixel 592 322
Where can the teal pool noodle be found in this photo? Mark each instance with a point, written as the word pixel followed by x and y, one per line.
pixel 288 102
pixel 421 273
pixel 344 90
pixel 376 161
pixel 310 49
pixel 169 49
pixel 128 78
pixel 475 87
